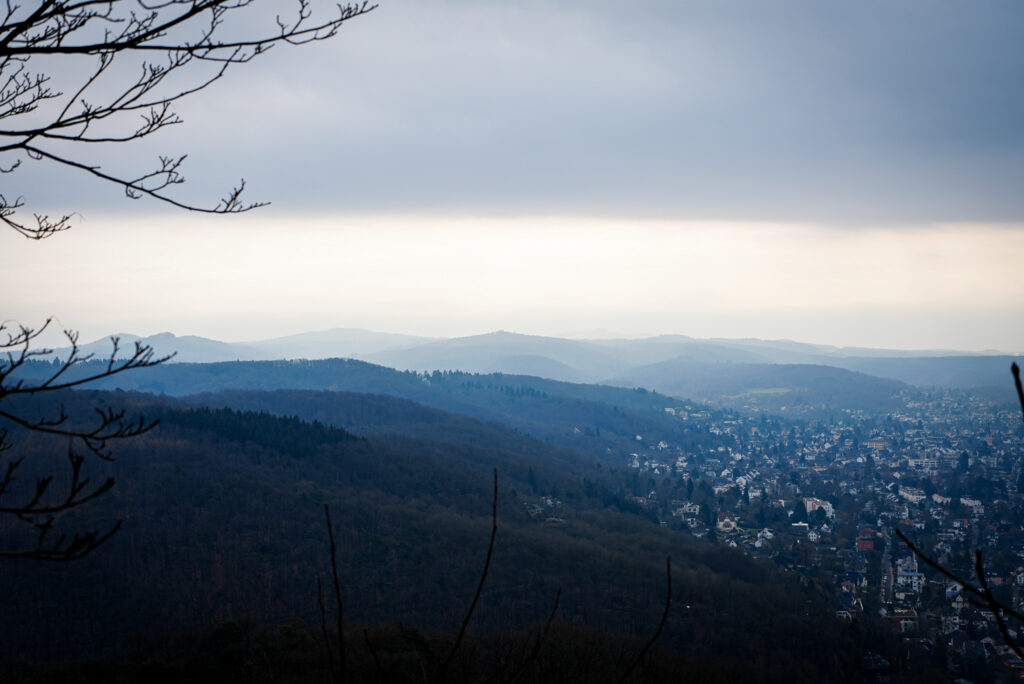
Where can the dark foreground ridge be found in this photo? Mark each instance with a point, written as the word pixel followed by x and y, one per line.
pixel 223 526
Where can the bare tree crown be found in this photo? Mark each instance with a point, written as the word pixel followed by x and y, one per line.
pixel 128 62
pixel 141 58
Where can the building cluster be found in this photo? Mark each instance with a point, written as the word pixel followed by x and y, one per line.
pixel 827 500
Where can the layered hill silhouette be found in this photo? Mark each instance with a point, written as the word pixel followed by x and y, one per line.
pixel 627 362
pixel 604 421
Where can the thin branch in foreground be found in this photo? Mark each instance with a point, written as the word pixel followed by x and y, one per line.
pixel 932 563
pixel 983 596
pixel 541 638
pixel 373 652
pixel 323 627
pixel 1015 369
pixel 480 585
pixel 62 551
pixel 661 625
pixel 996 606
pixel 339 676
pixel 39 508
pixel 146 58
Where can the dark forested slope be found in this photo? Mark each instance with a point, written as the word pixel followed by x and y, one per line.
pixel 591 418
pixel 224 521
pixel 807 388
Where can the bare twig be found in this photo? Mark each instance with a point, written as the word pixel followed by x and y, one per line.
pixel 981 596
pixel 541 638
pixel 339 675
pixel 996 606
pixel 145 57
pixel 480 584
pixel 323 627
pixel 1015 369
pixel 661 625
pixel 39 507
pixel 379 671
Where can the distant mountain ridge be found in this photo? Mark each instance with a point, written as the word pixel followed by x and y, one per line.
pixel 666 363
pixel 323 344
pixel 185 348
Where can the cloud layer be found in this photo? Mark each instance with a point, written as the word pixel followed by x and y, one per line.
pixel 800 110
pixel 840 172
pixel 253 277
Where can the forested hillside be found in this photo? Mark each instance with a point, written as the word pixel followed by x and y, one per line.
pixel 818 391
pixel 591 418
pixel 224 521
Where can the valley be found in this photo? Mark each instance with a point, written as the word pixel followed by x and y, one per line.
pixel 787 493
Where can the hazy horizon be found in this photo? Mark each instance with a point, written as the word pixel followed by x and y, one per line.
pixel 247 278
pixel 56 338
pixel 847 174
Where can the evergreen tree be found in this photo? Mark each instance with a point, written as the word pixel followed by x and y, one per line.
pixel 964 463
pixel 799 512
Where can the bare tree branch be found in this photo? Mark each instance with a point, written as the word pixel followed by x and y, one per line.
pixel 1015 370
pixel 38 506
pixel 323 628
pixel 981 595
pixel 339 675
pixel 174 48
pixel 480 584
pixel 145 56
pixel 996 606
pixel 378 669
pixel 539 643
pixel 661 624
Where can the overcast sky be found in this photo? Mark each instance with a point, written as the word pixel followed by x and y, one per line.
pixel 838 172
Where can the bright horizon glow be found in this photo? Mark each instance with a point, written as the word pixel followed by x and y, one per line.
pixel 449 169
pixel 262 276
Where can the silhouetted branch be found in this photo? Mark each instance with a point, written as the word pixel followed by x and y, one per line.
pixel 38 507
pixel 1015 369
pixel 996 606
pixel 16 346
pixel 78 546
pixel 323 627
pixel 979 596
pixel 339 675
pixel 378 670
pixel 966 585
pixel 145 57
pixel 541 638
pixel 661 625
pixel 480 584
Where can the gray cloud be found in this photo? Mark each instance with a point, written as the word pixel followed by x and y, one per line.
pixel 836 112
